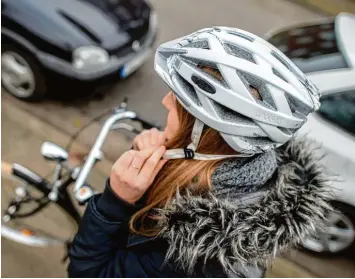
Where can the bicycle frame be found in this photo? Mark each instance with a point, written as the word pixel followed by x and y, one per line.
pixel 64 200
pixel 57 191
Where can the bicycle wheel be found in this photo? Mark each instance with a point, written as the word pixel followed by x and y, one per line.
pixel 28 216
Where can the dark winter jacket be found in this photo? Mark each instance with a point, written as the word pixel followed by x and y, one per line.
pixel 204 235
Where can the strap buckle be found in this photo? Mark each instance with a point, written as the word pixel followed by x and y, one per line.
pixel 189 153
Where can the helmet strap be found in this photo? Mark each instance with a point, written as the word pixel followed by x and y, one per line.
pixel 189 151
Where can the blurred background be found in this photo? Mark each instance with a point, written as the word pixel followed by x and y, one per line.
pixel 65 62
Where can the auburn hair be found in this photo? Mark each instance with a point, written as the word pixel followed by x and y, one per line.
pixel 179 174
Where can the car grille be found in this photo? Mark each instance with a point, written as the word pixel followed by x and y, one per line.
pixel 124 51
pixel 127 49
pixel 140 31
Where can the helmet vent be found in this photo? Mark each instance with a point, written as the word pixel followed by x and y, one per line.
pixel 281 60
pixel 292 69
pixel 277 73
pixel 284 130
pixel 214 74
pixel 297 106
pixel 239 52
pixel 240 35
pixel 230 115
pixel 251 81
pixel 203 84
pixel 197 62
pixel 259 141
pixel 189 89
pixel 199 44
pixel 209 69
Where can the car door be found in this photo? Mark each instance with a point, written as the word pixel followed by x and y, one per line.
pixel 333 126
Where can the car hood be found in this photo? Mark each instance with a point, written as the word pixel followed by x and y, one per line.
pixel 73 23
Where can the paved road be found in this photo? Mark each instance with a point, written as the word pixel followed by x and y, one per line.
pixel 145 89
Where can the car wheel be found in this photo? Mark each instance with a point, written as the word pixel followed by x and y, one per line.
pixel 339 234
pixel 20 74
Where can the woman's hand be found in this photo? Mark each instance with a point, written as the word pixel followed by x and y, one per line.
pixel 149 139
pixel 134 172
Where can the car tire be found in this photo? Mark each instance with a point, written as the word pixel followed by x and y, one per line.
pixel 338 245
pixel 21 75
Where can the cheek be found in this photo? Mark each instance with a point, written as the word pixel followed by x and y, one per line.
pixel 172 124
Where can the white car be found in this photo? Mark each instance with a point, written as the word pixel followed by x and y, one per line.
pixel 325 52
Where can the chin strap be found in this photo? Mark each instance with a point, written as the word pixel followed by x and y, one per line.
pixel 189 151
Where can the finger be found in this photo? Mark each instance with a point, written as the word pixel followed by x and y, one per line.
pixel 139 143
pixel 142 155
pixel 154 136
pixel 138 140
pixel 125 160
pixel 145 138
pixel 151 163
pixel 162 138
pixel 135 142
pixel 137 162
pixel 157 170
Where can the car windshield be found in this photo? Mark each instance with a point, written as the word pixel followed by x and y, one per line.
pixel 125 10
pixel 312 48
pixel 339 108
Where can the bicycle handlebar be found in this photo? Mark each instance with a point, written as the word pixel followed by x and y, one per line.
pixel 95 152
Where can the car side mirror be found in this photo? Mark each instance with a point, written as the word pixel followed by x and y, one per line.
pixel 53 152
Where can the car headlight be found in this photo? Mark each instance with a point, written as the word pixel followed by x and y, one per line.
pixel 90 58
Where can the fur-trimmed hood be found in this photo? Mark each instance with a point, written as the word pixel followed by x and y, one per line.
pixel 238 235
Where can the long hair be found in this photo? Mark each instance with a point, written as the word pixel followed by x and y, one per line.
pixel 178 174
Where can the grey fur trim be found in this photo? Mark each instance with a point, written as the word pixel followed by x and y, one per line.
pixel 200 229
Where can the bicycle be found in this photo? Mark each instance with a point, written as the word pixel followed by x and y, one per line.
pixel 33 194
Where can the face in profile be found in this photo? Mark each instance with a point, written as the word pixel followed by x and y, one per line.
pixel 172 121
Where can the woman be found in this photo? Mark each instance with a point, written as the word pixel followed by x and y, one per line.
pixel 224 188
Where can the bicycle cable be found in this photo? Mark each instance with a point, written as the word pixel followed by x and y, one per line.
pixel 74 137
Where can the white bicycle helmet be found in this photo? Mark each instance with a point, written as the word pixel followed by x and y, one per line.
pixel 245 61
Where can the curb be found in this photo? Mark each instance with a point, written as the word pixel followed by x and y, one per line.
pixel 329 7
pixel 283 268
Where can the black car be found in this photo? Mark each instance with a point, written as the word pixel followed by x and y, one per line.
pixel 72 45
